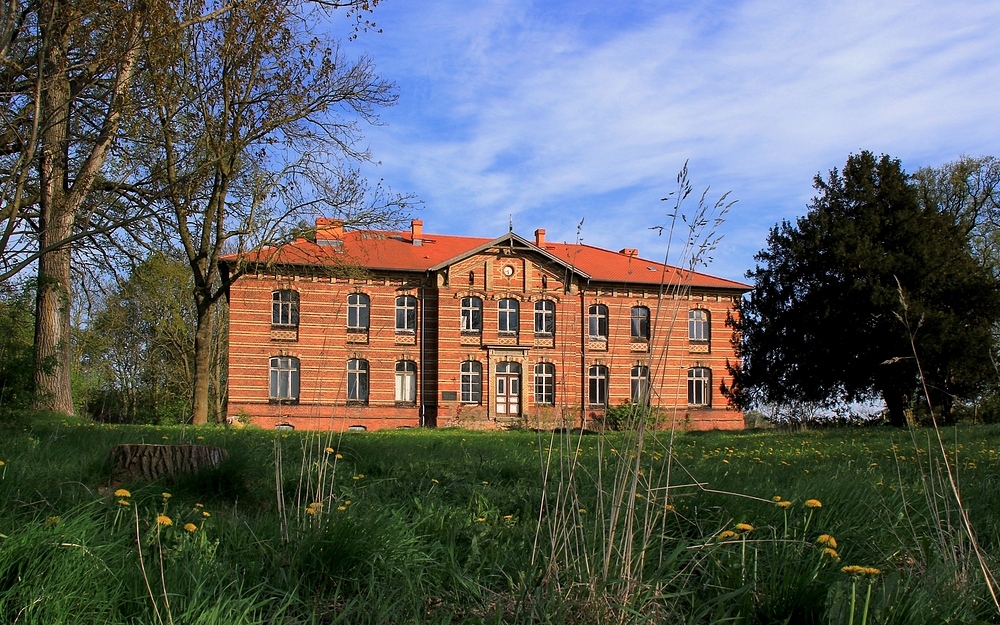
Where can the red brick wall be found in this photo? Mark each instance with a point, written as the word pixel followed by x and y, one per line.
pixel 323 346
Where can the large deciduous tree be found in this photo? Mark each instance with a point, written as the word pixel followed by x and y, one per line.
pixel 849 296
pixel 254 127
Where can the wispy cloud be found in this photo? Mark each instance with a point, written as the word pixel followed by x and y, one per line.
pixel 555 113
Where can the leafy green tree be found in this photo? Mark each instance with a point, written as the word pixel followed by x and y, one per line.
pixel 137 351
pixel 847 295
pixel 17 320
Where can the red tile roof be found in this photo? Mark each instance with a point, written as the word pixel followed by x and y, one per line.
pixel 395 251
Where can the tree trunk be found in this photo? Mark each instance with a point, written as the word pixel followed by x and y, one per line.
pixel 52 313
pixel 130 463
pixel 896 403
pixel 202 362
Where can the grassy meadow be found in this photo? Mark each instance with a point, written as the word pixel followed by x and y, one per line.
pixel 445 526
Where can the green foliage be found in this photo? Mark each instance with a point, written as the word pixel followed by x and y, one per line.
pixel 840 294
pixel 136 353
pixel 17 324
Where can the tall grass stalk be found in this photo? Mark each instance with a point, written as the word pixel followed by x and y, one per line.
pixel 952 480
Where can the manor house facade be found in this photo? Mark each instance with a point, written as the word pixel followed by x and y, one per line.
pixel 386 329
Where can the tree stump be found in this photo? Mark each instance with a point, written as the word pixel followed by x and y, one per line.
pixel 130 463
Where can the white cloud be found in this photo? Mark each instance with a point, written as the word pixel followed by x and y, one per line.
pixel 554 114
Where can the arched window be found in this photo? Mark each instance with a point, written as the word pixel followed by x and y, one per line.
pixel 640 385
pixel 699 330
pixel 357 381
pixel 472 382
pixel 699 386
pixel 545 383
pixel 640 323
pixel 357 312
pixel 406 382
pixel 597 318
pixel 507 313
pixel 406 314
pixel 597 385
pixel 285 308
pixel 472 315
pixel 284 387
pixel 545 317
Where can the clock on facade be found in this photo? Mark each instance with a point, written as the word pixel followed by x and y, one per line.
pixel 508 271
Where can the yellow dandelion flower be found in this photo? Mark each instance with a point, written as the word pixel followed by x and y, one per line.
pixel 480 520
pixel 582 511
pixel 310 510
pixel 198 505
pixel 190 528
pixel 164 520
pixel 485 483
pixel 831 553
pixel 784 504
pixel 668 508
pixel 122 502
pixel 347 503
pixel 638 495
pixel 508 517
pixel 776 498
pixel 2 463
pixel 744 527
pixel 52 520
pixel 121 492
pixel 205 514
pixel 201 438
pixel 316 504
pixel 166 495
pixel 726 535
pixel 852 569
pixel 827 541
pixel 871 571
pixel 338 456
pixel 435 481
pixel 813 503
pixel 341 508
pixel 329 450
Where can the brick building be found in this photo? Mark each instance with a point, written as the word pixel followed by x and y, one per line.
pixel 388 329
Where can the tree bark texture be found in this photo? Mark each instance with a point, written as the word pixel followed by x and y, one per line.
pixel 202 362
pixel 130 463
pixel 52 312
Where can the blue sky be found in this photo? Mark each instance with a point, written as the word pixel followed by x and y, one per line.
pixel 549 113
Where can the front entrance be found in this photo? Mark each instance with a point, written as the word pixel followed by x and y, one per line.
pixel 508 389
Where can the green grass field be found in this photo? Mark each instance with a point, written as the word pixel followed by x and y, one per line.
pixel 452 526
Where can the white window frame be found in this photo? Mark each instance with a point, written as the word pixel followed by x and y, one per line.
pixel 358 312
pixel 284 379
pixel 545 318
pixel 406 382
pixel 508 315
pixel 472 315
pixel 597 322
pixel 639 323
pixel 406 314
pixel 639 385
pixel 285 308
pixel 699 325
pixel 545 384
pixel 597 385
pixel 471 382
pixel 699 387
pixel 357 381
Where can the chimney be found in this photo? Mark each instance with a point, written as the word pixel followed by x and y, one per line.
pixel 629 251
pixel 540 238
pixel 417 231
pixel 328 229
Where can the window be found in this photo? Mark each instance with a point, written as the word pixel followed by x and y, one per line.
pixel 357 381
pixel 597 316
pixel 698 326
pixel 597 387
pixel 507 316
pixel 472 382
pixel 699 386
pixel 472 315
pixel 640 323
pixel 545 318
pixel 406 314
pixel 406 382
pixel 357 312
pixel 640 385
pixel 285 308
pixel 284 379
pixel 545 388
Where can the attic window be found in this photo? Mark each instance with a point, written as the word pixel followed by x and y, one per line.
pixel 651 268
